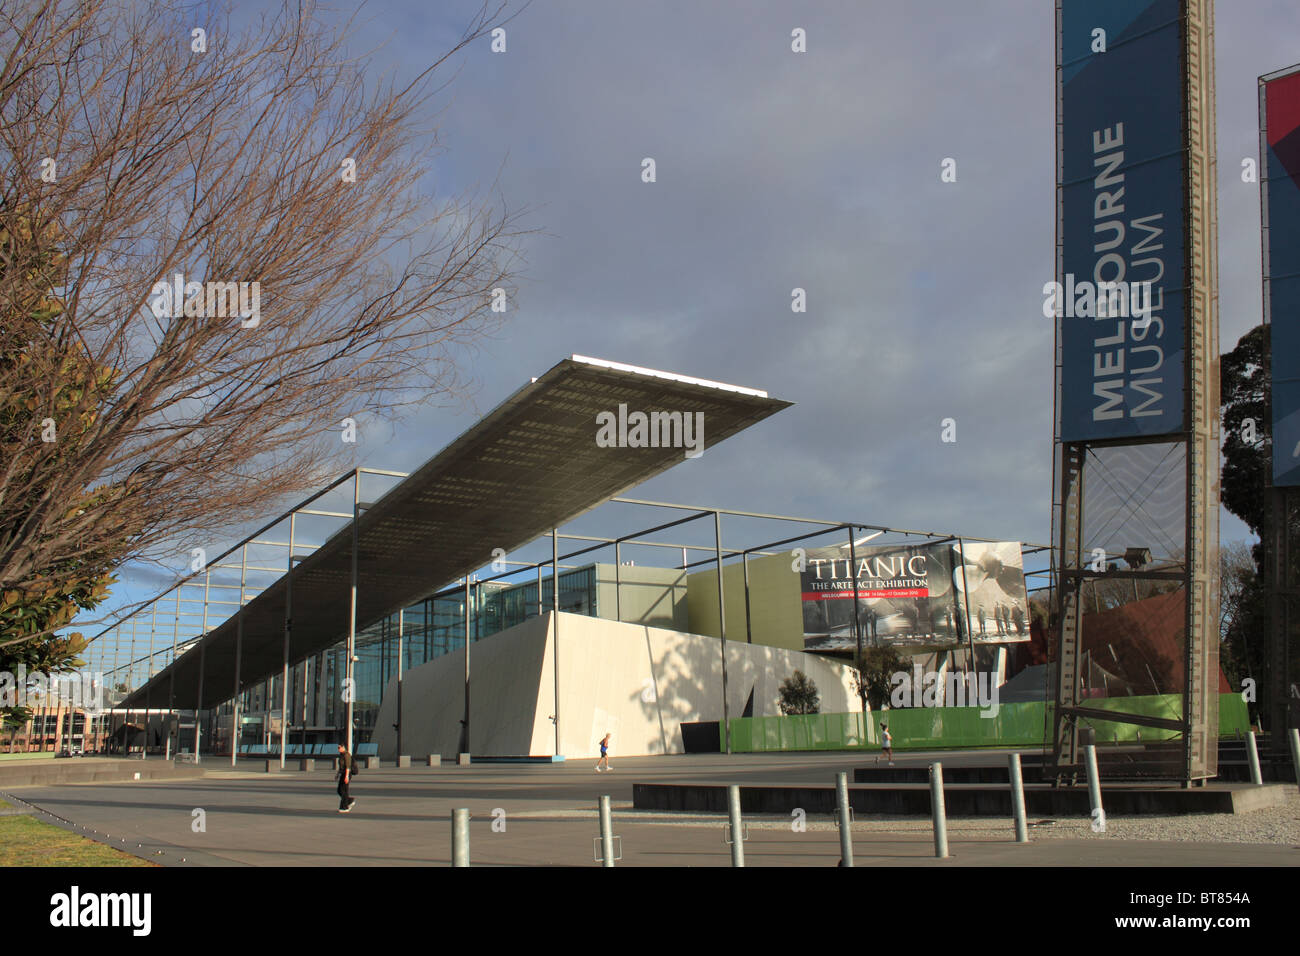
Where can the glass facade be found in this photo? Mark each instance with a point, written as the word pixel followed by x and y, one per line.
pixel 430 628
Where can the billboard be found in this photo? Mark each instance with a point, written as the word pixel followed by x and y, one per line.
pixel 1121 193
pixel 1280 186
pixel 925 595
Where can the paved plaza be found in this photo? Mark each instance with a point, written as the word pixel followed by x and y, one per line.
pixel 544 814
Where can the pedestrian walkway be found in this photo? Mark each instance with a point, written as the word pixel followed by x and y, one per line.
pixel 540 815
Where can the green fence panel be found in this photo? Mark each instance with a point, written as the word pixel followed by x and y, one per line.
pixel 1234 718
pixel 1026 724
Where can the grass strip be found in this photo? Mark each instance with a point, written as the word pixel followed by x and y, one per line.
pixel 26 841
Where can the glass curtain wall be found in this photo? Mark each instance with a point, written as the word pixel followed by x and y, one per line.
pixel 430 628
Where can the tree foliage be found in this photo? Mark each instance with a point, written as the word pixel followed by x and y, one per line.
pixel 799 695
pixel 1247 407
pixel 1247 464
pixel 875 672
pixel 34 609
pixel 131 152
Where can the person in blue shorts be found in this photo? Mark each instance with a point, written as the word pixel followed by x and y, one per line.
pixel 604 754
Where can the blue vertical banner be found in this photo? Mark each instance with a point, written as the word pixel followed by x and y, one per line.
pixel 1122 194
pixel 1280 184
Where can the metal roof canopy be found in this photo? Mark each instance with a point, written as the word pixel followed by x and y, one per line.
pixel 530 465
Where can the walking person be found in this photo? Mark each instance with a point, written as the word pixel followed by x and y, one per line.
pixel 604 754
pixel 347 766
pixel 887 743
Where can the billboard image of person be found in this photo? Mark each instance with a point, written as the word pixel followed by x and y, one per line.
pixel 991 583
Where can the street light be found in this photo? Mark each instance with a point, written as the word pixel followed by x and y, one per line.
pixel 1137 559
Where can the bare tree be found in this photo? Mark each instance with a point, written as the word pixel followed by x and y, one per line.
pixel 138 147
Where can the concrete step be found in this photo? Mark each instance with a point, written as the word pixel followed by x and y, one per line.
pixel 960 800
pixel 44 773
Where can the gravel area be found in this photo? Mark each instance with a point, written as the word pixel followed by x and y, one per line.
pixel 1271 825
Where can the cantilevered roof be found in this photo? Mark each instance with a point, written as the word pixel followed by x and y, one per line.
pixel 530 465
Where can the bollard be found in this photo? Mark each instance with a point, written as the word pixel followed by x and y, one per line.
pixel 307 764
pixel 846 828
pixel 937 811
pixel 1295 753
pixel 460 837
pixel 606 833
pixel 733 811
pixel 435 760
pixel 462 760
pixel 403 761
pixel 1094 784
pixel 1252 752
pixel 1018 799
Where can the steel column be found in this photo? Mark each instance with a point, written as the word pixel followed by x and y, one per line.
pixel 288 629
pixel 349 685
pixel 722 629
pixel 464 724
pixel 171 686
pixel 234 712
pixel 400 634
pixel 749 630
pixel 1281 604
pixel 198 703
pixel 1069 596
pixel 857 618
pixel 555 635
pixel 130 680
pixel 148 678
pixel 965 593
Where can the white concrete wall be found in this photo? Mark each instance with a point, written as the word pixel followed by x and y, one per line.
pixel 639 683
pixel 505 670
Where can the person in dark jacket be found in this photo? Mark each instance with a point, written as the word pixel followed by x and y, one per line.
pixel 346 802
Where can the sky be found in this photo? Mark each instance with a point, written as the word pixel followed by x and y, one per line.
pixel 817 170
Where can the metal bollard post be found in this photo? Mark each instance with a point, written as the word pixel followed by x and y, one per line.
pixel 606 833
pixel 737 835
pixel 1018 800
pixel 846 828
pixel 460 837
pixel 1252 752
pixel 1295 753
pixel 937 811
pixel 1094 783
